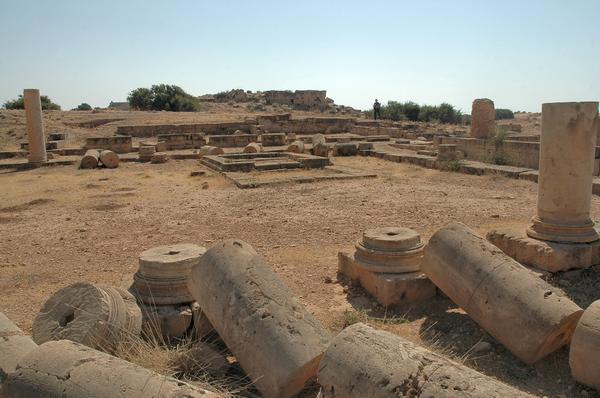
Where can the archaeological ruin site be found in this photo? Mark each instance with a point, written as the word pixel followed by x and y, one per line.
pixel 280 245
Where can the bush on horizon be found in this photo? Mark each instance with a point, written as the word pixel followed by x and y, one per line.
pixel 84 106
pixel 504 114
pixel 19 103
pixel 162 97
pixel 394 110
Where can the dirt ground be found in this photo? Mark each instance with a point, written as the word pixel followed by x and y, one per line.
pixel 60 225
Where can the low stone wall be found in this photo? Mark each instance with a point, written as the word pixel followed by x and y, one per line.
pixel 232 140
pixel 153 130
pixel 275 139
pixel 181 141
pixel 309 125
pixel 513 153
pixel 118 144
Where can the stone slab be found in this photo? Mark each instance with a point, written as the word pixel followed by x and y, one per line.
pixel 387 289
pixel 548 256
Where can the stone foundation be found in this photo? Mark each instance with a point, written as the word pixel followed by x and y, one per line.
pixel 388 289
pixel 118 144
pixel 548 256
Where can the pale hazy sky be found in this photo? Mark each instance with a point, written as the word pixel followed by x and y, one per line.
pixel 518 53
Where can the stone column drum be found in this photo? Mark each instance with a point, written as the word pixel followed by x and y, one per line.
pixel 567 149
pixel 483 118
pixel 35 127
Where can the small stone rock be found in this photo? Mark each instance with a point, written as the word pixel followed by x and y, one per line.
pixel 197 173
pixel 205 185
pixel 328 279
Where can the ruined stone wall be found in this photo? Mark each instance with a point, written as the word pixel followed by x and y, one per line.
pixel 118 144
pixel 279 97
pixel 145 131
pixel 513 153
pixel 231 141
pixel 310 99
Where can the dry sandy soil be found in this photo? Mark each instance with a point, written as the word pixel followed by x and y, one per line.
pixel 60 225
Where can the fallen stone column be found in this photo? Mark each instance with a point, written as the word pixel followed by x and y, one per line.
pixel 277 342
pixel 211 150
pixel 527 315
pixel 584 354
pixel 364 362
pixel 14 345
pixel 253 147
pixel 90 159
pixel 65 369
pixel 35 126
pixel 109 159
pixel 97 316
pixel 296 147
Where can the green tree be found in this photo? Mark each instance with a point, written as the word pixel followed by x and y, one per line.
pixel 140 99
pixel 504 114
pixel 19 103
pixel 162 97
pixel 83 107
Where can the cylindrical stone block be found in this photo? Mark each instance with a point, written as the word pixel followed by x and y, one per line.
pixel 296 147
pixel 584 354
pixel 276 341
pixel 109 159
pixel 163 274
pixel 253 147
pixel 567 151
pixel 35 126
pixel 97 316
pixel 65 369
pixel 90 159
pixel 483 118
pixel 14 345
pixel 390 250
pixel 318 139
pixel 526 314
pixel 364 362
pixel 211 150
pixel 145 152
pixel 159 157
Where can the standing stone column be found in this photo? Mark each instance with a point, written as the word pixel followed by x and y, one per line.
pixel 567 150
pixel 35 127
pixel 483 118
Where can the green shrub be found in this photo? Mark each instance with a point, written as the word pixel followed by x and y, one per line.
pixel 504 114
pixel 19 103
pixel 443 113
pixel 83 107
pixel 162 97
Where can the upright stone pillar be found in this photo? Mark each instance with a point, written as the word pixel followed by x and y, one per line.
pixel 483 118
pixel 35 127
pixel 567 150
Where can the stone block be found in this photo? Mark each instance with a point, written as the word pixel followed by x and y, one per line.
pixel 545 255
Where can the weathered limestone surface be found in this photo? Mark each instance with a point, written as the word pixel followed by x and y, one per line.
pixel 277 342
pixel 35 126
pixel 584 355
pixel 14 345
pixel 118 144
pixel 364 362
pixel 163 274
pixel 527 315
pixel 388 288
pixel 549 256
pixel 483 118
pixel 387 263
pixel 296 147
pixel 211 150
pixel 146 152
pixel 446 152
pixel 90 159
pixel 159 157
pixel 109 159
pixel 166 322
pixel 253 147
pixel 345 149
pixel 97 316
pixel 65 369
pixel 567 153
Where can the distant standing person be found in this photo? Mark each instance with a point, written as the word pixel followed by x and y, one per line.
pixel 376 110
